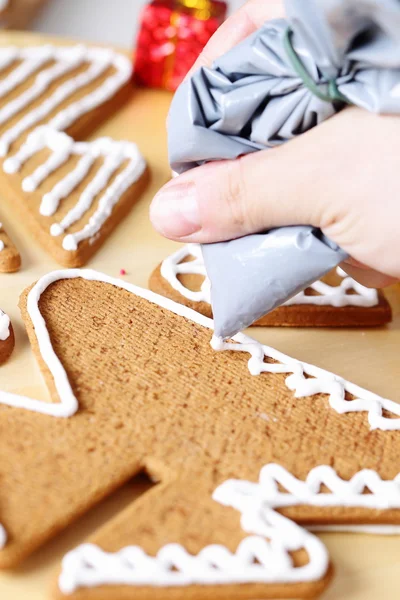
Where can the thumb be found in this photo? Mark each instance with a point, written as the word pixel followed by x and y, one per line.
pixel 228 199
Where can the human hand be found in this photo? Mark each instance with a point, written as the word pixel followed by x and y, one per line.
pixel 328 177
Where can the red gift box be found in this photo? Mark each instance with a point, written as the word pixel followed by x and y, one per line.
pixel 171 37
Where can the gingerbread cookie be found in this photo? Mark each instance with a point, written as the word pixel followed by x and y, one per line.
pixel 10 259
pixel 73 194
pixel 18 14
pixel 335 301
pixel 202 422
pixel 70 88
pixel 7 340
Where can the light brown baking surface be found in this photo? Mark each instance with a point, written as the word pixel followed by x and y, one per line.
pixel 10 259
pixel 366 566
pixel 27 204
pixel 296 315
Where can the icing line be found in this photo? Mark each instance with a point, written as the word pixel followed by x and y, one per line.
pixel 256 560
pixel 114 153
pixel 3 537
pixel 328 295
pixel 4 326
pixel 66 60
pixel 321 381
pixel 68 404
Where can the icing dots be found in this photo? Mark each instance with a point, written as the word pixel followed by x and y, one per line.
pixel 114 154
pixel 4 326
pixel 48 64
pixel 327 295
pixel 257 559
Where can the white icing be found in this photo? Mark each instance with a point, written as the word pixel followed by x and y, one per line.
pixel 256 559
pixel 89 566
pixel 65 59
pixel 114 154
pixel 173 266
pixel 245 495
pixel 328 295
pixel 3 537
pixel 68 405
pixel 4 326
pixel 1 245
pixel 318 382
pixel 321 381
pixel 338 295
pixel 3 4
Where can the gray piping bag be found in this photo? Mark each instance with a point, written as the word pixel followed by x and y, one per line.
pixel 289 76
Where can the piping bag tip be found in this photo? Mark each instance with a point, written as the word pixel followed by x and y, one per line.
pixel 253 275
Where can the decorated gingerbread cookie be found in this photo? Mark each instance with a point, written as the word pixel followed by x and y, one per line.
pixel 73 194
pixel 70 88
pixel 335 301
pixel 10 259
pixel 7 340
pixel 250 448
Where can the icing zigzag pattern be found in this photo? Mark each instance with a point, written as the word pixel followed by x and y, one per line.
pixel 327 295
pixel 382 494
pixel 256 560
pixel 319 382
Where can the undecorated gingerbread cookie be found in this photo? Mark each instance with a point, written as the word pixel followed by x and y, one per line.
pixel 7 340
pixel 335 301
pixel 73 194
pixel 10 259
pixel 250 449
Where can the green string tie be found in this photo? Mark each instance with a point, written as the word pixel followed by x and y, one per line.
pixel 333 94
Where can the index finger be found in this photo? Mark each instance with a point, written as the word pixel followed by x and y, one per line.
pixel 236 28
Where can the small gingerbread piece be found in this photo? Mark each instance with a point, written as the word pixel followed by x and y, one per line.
pixel 10 259
pixel 247 452
pixel 73 194
pixel 336 300
pixel 58 186
pixel 7 339
pixel 70 88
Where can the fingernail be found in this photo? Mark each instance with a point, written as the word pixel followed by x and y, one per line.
pixel 174 211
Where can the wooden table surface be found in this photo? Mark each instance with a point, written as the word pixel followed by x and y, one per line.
pixel 367 567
